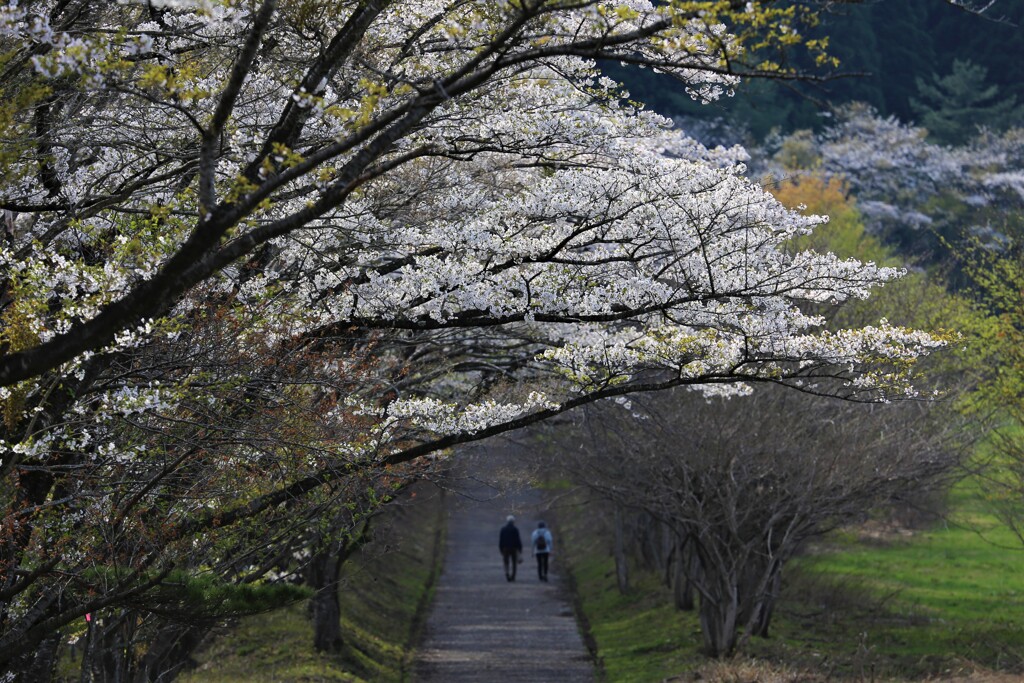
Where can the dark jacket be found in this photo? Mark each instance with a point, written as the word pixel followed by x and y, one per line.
pixel 509 538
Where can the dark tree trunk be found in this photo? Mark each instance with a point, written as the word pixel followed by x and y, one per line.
pixel 761 616
pixel 650 542
pixel 718 584
pixel 170 653
pixel 38 666
pixel 719 617
pixel 322 576
pixel 686 568
pixel 88 648
pixel 668 552
pixel 110 651
pixel 619 551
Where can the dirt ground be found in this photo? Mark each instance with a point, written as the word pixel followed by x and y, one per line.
pixel 482 627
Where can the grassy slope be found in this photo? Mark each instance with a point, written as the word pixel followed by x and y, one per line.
pixel 940 601
pixel 639 636
pixel 960 593
pixel 383 595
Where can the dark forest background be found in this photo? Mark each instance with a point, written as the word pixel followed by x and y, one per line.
pixel 904 58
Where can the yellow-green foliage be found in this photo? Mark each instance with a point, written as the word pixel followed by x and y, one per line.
pixel 760 29
pixel 844 233
pixel 19 329
pixel 916 300
pixel 999 280
pixel 799 152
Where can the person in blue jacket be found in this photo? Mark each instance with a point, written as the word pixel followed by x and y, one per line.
pixel 541 542
pixel 511 546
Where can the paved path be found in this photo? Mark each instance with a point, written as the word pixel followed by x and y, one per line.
pixel 481 627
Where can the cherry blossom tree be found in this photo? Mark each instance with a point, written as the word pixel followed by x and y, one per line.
pixel 255 251
pixel 725 493
pixel 912 191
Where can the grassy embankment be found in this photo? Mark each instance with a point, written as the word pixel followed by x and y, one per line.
pixel 383 597
pixel 895 607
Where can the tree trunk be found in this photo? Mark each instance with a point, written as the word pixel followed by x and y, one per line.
pixel 718 620
pixel 111 664
pixel 38 666
pixel 761 617
pixel 88 648
pixel 650 542
pixel 170 653
pixel 110 652
pixel 668 551
pixel 686 567
pixel 325 607
pixel 621 568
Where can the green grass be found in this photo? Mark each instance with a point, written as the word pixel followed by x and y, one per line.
pixel 958 588
pixel 383 595
pixel 902 608
pixel 276 646
pixel 639 635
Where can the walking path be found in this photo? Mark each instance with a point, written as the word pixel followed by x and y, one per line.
pixel 481 627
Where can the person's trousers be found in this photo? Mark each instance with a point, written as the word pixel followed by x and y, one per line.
pixel 509 557
pixel 542 566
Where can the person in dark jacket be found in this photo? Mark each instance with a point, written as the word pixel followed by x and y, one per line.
pixel 511 546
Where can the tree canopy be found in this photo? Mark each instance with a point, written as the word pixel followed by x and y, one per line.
pixel 259 259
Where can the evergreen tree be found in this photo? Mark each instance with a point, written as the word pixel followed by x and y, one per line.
pixel 952 107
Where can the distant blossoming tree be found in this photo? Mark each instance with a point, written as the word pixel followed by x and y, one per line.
pixel 910 190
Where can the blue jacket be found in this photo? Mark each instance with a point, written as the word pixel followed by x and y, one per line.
pixel 537 534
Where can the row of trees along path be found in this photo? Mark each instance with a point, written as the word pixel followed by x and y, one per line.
pixel 481 627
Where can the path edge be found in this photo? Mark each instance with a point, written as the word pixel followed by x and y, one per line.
pixel 417 630
pixel 582 622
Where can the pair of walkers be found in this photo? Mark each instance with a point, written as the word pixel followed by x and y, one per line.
pixel 511 546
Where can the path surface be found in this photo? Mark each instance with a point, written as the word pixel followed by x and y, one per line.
pixel 481 627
